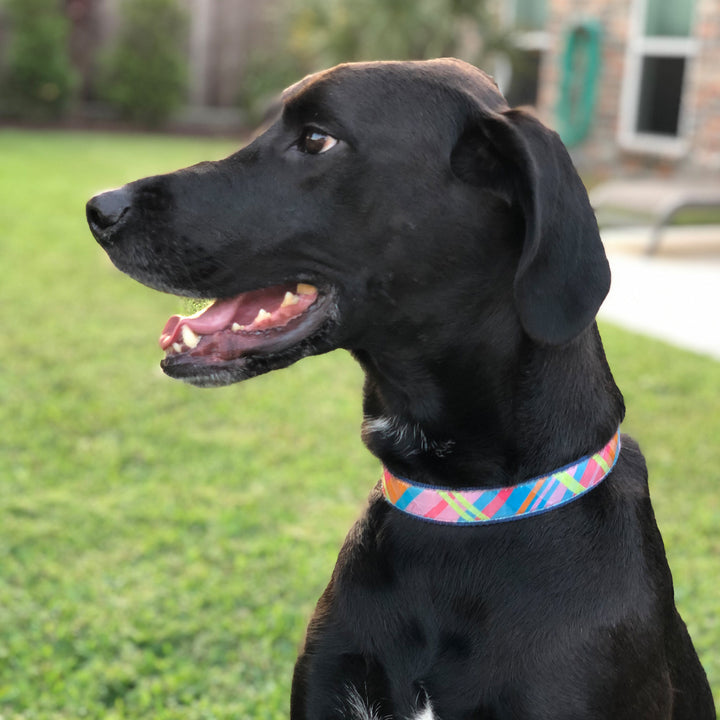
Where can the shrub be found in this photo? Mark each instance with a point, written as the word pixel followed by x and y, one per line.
pixel 145 75
pixel 320 33
pixel 38 81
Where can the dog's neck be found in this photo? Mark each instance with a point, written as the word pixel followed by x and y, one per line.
pixel 480 506
pixel 490 421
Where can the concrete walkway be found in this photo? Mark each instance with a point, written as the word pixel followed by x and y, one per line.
pixel 674 295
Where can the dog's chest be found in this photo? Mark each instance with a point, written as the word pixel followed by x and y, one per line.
pixel 360 709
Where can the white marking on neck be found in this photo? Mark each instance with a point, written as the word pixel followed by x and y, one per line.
pixel 426 714
pixel 361 710
pixel 358 708
pixel 408 439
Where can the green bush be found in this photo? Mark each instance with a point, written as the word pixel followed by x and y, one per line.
pixel 145 74
pixel 38 81
pixel 320 33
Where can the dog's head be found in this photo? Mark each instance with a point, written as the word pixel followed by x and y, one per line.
pixel 389 203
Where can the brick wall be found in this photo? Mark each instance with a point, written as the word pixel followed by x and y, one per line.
pixel 704 91
pixel 601 154
pixel 600 150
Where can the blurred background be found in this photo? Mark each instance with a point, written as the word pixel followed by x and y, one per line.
pixel 162 547
pixel 629 85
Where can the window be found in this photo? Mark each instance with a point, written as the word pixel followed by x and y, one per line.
pixel 660 49
pixel 530 15
pixel 519 74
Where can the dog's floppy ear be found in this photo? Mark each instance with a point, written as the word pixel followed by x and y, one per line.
pixel 563 274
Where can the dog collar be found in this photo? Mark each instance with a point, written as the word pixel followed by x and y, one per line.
pixel 478 506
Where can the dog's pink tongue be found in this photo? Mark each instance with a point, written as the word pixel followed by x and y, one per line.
pixel 251 311
pixel 216 317
pixel 212 319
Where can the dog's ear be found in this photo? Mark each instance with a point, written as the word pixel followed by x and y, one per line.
pixel 563 274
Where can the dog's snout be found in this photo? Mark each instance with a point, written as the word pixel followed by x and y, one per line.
pixel 106 210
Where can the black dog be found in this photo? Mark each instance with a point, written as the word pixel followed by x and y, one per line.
pixel 404 212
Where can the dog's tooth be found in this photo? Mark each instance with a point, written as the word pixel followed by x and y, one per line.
pixel 236 327
pixel 262 315
pixel 190 338
pixel 177 347
pixel 290 299
pixel 305 289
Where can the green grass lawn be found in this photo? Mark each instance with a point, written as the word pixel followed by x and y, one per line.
pixel 162 546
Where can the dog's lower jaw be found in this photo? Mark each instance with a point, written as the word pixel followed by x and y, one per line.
pixel 206 378
pixel 249 366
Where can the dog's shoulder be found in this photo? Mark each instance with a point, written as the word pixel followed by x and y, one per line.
pixel 630 474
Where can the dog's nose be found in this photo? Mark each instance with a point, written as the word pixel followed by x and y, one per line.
pixel 105 210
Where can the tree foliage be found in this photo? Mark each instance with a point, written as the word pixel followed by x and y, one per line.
pixel 38 80
pixel 321 33
pixel 145 74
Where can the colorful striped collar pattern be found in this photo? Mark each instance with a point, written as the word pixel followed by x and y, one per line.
pixel 482 506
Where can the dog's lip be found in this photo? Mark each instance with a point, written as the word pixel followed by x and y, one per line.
pixel 255 322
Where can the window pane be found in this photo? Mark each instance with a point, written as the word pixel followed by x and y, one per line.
pixel 660 95
pixel 530 14
pixel 669 17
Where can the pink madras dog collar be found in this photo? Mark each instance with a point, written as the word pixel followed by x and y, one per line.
pixel 477 506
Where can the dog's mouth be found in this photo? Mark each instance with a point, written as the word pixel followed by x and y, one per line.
pixel 215 346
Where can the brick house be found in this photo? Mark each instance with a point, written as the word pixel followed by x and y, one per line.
pixel 653 86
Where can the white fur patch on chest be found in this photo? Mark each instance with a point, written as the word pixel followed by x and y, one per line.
pixel 360 710
pixel 426 714
pixel 407 438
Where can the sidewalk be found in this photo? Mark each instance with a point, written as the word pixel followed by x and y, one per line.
pixel 674 295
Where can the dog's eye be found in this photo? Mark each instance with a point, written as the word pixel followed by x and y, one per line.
pixel 314 142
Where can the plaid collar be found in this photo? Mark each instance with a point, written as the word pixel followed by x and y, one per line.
pixel 479 506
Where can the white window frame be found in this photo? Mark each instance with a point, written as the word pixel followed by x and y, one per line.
pixel 639 46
